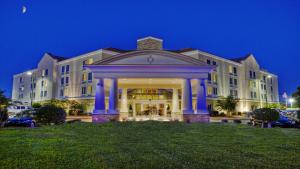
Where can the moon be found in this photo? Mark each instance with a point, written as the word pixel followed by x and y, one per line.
pixel 24 9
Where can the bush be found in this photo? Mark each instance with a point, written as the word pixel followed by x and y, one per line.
pixel 77 108
pixel 234 113
pixel 266 115
pixel 298 114
pixel 36 105
pixel 50 113
pixel 224 121
pixel 214 113
pixel 239 113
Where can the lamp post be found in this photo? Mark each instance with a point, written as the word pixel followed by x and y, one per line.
pixel 29 73
pixel 291 101
pixel 268 77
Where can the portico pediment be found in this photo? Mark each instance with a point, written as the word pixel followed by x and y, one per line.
pixel 150 57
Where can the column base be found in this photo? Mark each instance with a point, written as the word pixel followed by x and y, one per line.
pixel 188 111
pixel 113 111
pixel 98 111
pixel 103 118
pixel 196 118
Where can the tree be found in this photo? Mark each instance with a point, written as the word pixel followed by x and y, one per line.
pixel 266 115
pixel 296 95
pixel 4 103
pixel 228 105
pixel 50 113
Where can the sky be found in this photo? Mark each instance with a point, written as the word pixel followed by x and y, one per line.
pixel 269 29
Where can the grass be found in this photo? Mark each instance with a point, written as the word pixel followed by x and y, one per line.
pixel 149 145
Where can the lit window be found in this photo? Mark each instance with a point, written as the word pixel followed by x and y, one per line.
pixel 209 90
pixel 230 69
pixel 90 90
pixel 84 77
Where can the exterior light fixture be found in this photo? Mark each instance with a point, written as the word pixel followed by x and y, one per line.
pixel 29 73
pixel 269 76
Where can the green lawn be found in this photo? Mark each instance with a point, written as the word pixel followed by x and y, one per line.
pixel 149 145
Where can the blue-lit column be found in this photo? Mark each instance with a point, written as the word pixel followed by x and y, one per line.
pixel 113 97
pixel 201 97
pixel 99 98
pixel 187 107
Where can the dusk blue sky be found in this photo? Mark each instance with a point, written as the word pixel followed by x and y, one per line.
pixel 269 29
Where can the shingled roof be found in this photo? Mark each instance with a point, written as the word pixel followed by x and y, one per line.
pixel 58 58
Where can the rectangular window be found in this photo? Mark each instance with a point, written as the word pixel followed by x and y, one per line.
pixel 90 77
pixel 21 79
pixel 214 63
pixel 42 83
pixel 235 82
pixel 67 80
pixel 67 69
pixel 254 75
pixel 41 93
pixel 250 74
pixel 45 93
pixel 230 69
pixel 214 77
pixel 271 81
pixel 230 81
pixel 208 61
pixel 264 78
pixel 62 69
pixel 234 70
pixel 84 78
pixel 215 90
pixel 271 88
pixel 209 77
pixel 90 90
pixel 45 72
pixel 83 90
pixel 209 90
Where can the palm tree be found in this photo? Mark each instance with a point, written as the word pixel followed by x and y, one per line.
pixel 227 104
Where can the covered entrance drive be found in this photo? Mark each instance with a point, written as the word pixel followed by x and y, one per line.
pixel 152 84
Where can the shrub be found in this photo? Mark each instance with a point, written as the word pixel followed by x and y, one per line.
pixel 50 113
pixel 239 113
pixel 234 113
pixel 36 105
pixel 77 108
pixel 298 114
pixel 214 113
pixel 266 115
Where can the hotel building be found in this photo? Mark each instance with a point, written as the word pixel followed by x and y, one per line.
pixel 148 81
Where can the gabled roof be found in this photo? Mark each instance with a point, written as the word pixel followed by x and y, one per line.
pixel 240 59
pixel 124 51
pixel 58 58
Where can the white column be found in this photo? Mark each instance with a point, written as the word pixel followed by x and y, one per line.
pixel 201 97
pixel 175 101
pixel 124 103
pixel 99 98
pixel 187 97
pixel 113 97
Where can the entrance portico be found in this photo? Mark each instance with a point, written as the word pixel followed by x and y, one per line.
pixel 169 78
